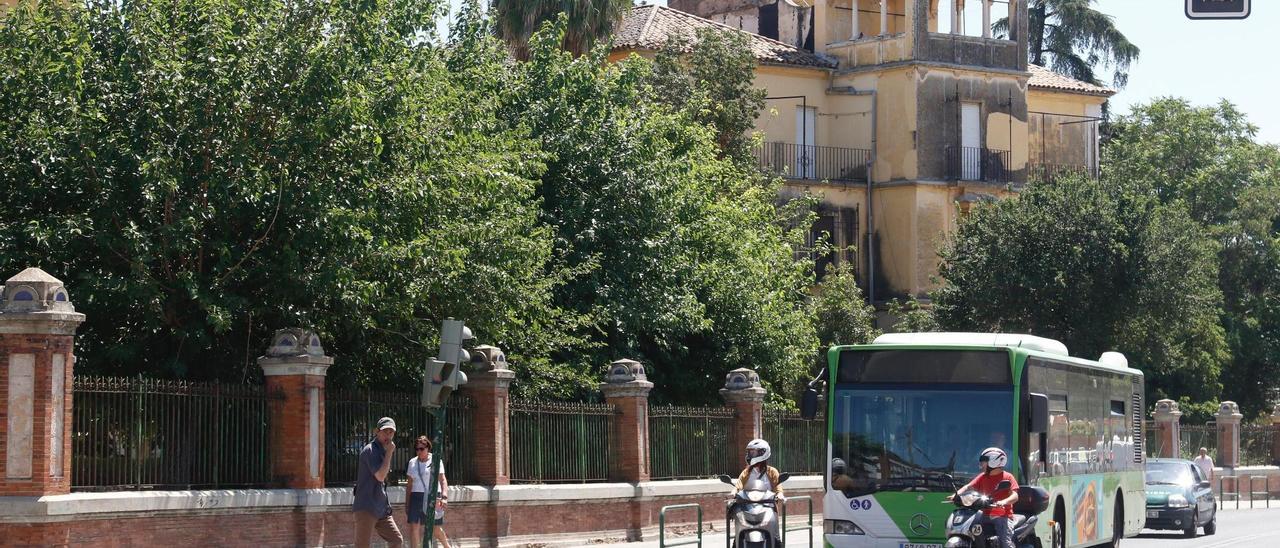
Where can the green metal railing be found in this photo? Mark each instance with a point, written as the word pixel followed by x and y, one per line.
pixel 691 442
pixel 137 433
pixel 799 446
pixel 566 442
pixel 351 417
pixel 1194 436
pixel 785 529
pixel 1255 444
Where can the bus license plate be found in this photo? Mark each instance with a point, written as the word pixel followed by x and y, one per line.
pixel 1153 513
pixel 918 545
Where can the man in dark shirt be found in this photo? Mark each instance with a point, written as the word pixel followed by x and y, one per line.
pixel 371 508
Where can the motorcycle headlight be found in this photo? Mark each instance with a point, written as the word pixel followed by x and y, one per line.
pixel 1177 501
pixel 976 530
pixel 841 527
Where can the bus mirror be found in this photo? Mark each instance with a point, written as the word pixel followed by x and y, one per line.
pixel 809 404
pixel 1039 413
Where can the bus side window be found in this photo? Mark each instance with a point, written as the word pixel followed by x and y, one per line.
pixel 1059 437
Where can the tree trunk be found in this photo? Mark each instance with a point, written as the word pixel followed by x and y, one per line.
pixel 1036 32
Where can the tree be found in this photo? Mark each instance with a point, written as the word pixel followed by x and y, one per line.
pixel 1098 268
pixel 1206 157
pixel 712 82
pixel 841 314
pixel 682 263
pixel 1071 37
pixel 589 21
pixel 201 173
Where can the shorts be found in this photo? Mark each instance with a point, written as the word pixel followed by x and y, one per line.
pixel 414 511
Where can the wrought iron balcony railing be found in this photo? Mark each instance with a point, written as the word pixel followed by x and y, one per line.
pixel 811 162
pixel 1039 171
pixel 977 164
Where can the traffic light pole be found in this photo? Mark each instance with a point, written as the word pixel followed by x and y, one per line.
pixel 433 484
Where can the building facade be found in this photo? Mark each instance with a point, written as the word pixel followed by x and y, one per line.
pixel 894 115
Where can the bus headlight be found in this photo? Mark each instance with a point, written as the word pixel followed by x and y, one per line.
pixel 1177 501
pixel 841 527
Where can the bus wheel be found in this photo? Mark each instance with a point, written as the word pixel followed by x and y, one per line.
pixel 1117 525
pixel 1058 533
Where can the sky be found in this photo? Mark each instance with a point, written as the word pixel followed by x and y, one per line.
pixel 1203 61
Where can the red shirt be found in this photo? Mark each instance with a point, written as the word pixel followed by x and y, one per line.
pixel 986 484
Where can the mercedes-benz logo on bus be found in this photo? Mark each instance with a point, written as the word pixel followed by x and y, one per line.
pixel 920 524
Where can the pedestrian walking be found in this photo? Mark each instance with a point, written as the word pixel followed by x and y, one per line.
pixel 419 474
pixel 371 508
pixel 1205 463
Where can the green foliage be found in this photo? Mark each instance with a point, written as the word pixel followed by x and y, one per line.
pixel 1098 268
pixel 682 262
pixel 1206 158
pixel 1071 38
pixel 589 21
pixel 712 82
pixel 912 317
pixel 841 314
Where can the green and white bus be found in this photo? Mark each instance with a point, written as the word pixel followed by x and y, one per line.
pixel 908 414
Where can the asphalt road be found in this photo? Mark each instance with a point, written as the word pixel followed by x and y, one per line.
pixel 1242 528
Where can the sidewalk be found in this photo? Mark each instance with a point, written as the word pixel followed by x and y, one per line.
pixel 713 536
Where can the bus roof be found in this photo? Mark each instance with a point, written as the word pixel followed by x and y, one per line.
pixel 1044 347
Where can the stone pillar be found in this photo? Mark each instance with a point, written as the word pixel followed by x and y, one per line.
pixel 854 32
pixel 1275 437
pixel 627 388
pixel 295 367
pixel 957 16
pixel 1228 418
pixel 1167 427
pixel 489 385
pixel 743 393
pixel 37 343
pixel 986 18
pixel 884 17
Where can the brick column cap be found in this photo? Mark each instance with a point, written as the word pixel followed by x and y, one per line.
pixel 488 368
pixel 295 351
pixel 497 378
pixel 626 379
pixel 742 385
pixel 1228 413
pixel 33 302
pixel 1166 411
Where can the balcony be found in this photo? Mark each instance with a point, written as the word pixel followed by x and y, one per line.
pixel 977 164
pixel 814 163
pixel 1037 171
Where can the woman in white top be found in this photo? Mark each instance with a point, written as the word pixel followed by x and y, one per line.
pixel 419 472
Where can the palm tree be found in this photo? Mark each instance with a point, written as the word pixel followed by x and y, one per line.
pixel 588 21
pixel 1070 37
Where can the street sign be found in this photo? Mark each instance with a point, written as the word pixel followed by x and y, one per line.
pixel 1217 9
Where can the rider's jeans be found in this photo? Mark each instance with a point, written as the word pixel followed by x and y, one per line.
pixel 1004 534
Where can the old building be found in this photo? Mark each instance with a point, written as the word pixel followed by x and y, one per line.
pixel 896 117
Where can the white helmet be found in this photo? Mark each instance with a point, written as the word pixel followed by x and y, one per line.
pixel 995 457
pixel 757 451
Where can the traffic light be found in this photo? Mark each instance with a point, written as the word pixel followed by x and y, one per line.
pixel 444 372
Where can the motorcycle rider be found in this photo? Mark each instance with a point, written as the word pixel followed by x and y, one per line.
pixel 993 460
pixel 758 467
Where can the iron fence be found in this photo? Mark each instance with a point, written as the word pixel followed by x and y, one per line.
pixel 1192 437
pixel 1255 444
pixel 560 442
pixel 977 164
pixel 1153 443
pixel 1051 172
pixel 692 442
pixel 351 416
pixel 799 446
pixel 813 162
pixel 138 433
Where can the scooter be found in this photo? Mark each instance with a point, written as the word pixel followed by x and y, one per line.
pixel 966 527
pixel 754 514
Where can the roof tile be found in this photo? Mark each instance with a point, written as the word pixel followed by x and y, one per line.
pixel 648 27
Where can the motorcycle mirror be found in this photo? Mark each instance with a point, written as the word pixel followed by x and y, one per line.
pixel 724 478
pixel 784 477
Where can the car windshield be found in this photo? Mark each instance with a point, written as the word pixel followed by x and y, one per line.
pixel 1169 473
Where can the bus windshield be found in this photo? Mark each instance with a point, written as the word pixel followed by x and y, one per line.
pixel 904 421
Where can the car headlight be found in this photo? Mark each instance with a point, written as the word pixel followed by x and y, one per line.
pixel 841 527
pixel 1177 501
